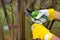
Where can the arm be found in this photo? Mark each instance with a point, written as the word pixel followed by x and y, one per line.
pixel 55 38
pixel 57 15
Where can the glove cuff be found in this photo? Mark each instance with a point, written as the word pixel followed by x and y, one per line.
pixel 51 14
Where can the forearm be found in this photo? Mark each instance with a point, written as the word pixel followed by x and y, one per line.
pixel 55 38
pixel 57 15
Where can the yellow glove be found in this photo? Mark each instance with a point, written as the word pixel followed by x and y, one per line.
pixel 39 31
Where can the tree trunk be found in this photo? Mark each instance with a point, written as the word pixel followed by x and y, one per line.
pixel 20 19
pixel 12 24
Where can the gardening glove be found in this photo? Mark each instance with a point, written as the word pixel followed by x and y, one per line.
pixel 40 32
pixel 49 13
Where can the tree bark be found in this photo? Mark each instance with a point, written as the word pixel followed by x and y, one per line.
pixel 20 19
pixel 12 23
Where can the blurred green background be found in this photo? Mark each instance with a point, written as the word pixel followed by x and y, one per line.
pixel 55 28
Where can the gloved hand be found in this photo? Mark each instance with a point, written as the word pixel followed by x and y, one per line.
pixel 46 14
pixel 50 13
pixel 40 32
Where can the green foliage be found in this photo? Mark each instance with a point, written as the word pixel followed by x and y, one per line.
pixel 58 7
pixel 2 16
pixel 9 14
